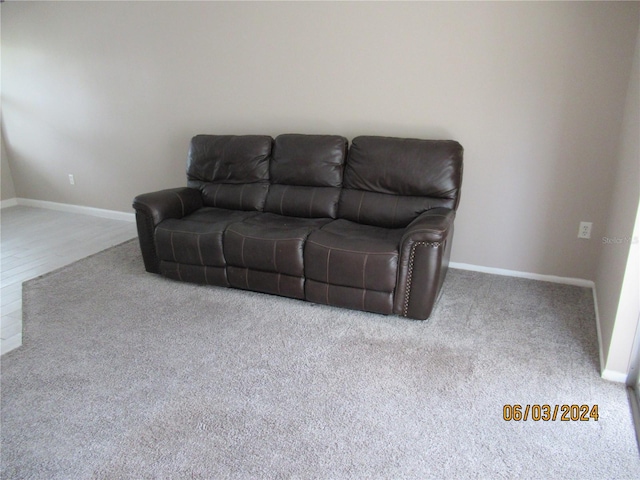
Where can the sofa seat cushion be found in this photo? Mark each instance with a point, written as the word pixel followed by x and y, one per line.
pixel 197 238
pixel 349 254
pixel 270 243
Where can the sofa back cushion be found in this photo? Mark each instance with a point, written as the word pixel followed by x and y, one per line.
pixel 306 175
pixel 232 171
pixel 389 181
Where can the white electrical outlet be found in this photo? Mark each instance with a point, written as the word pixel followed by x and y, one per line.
pixel 585 230
pixel 72 179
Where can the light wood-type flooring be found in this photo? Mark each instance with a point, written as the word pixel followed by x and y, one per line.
pixel 35 241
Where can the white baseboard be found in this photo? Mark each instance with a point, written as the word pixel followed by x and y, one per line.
pixel 65 207
pixel 614 376
pixel 604 373
pixel 579 282
pixel 11 202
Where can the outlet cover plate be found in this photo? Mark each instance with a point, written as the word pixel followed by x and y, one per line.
pixel 585 230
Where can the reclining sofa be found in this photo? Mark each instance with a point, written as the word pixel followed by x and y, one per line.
pixel 367 226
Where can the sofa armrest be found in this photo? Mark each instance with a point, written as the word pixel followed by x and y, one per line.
pixel 424 258
pixel 152 208
pixel 432 226
pixel 171 203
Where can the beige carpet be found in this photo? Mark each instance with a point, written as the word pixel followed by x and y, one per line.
pixel 124 374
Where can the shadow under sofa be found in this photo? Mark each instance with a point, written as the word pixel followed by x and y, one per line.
pixel 366 226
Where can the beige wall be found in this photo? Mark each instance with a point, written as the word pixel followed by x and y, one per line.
pixel 535 92
pixel 7 189
pixel 618 274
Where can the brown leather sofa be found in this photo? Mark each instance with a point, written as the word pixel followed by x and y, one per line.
pixel 367 226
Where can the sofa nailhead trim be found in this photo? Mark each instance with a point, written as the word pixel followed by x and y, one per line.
pixel 407 295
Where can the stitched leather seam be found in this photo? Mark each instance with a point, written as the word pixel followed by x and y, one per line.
pixel 215 194
pixel 258 270
pixel 173 250
pixel 275 262
pixel 186 232
pixel 407 293
pixel 199 250
pixel 262 238
pixel 150 227
pixel 426 230
pixel 181 203
pixel 392 252
pixel 337 285
pixel 364 272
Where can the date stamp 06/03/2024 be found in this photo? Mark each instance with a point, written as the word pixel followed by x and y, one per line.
pixel 550 413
